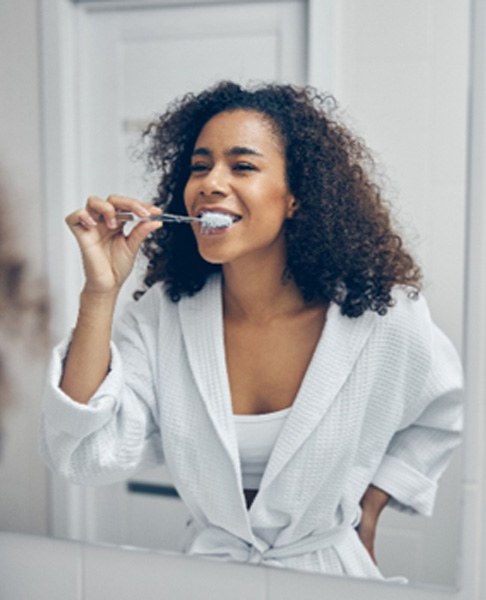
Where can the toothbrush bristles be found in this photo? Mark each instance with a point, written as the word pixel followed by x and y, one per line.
pixel 215 220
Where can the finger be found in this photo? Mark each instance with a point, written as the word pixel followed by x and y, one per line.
pixel 154 210
pixel 81 219
pixel 102 210
pixel 140 233
pixel 124 203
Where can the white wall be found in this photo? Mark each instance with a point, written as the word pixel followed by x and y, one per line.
pixel 401 76
pixel 23 492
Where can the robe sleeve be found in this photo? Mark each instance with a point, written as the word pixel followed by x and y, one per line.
pixel 116 433
pixel 420 450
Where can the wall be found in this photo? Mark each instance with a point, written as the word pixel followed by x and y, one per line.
pixel 23 487
pixel 401 76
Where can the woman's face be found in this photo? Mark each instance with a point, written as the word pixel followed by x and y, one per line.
pixel 238 167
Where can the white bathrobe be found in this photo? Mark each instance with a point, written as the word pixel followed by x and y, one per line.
pixel 380 403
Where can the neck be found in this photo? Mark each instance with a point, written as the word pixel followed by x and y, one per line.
pixel 258 291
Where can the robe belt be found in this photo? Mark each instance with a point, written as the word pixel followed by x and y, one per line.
pixel 220 543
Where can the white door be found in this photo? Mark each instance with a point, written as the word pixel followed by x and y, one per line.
pixel 132 62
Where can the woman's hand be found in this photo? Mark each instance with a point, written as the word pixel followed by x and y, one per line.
pixel 108 255
pixel 372 503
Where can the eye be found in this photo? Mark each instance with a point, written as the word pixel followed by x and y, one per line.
pixel 244 166
pixel 198 168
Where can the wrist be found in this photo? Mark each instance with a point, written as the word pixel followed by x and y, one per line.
pixel 97 303
pixel 374 499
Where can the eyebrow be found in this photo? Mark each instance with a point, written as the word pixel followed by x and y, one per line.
pixel 234 151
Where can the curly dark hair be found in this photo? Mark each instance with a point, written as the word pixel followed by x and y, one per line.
pixel 341 245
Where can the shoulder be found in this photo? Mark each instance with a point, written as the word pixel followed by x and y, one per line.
pixel 407 331
pixel 409 315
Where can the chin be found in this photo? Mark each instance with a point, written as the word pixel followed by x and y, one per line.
pixel 213 258
pixel 213 255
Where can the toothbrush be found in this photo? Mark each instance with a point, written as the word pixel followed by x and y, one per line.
pixel 208 220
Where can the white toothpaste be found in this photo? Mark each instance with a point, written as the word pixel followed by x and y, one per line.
pixel 215 220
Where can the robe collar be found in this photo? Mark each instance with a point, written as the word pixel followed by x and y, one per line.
pixel 201 318
pixel 337 350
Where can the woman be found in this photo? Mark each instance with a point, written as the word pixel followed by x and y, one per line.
pixel 285 368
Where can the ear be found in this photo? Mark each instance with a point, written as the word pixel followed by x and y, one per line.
pixel 292 206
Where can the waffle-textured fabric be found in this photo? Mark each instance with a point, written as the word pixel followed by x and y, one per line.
pixel 380 403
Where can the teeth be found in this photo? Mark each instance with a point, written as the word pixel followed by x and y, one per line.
pixel 217 220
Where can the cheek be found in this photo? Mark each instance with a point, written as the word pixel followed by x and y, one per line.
pixel 277 201
pixel 187 195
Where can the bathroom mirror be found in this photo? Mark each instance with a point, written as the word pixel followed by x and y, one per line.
pixel 399 71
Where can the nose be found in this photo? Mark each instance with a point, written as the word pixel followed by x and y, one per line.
pixel 214 183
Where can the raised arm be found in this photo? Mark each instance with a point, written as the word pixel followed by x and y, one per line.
pixel 108 257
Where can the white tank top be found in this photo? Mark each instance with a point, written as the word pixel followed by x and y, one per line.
pixel 256 436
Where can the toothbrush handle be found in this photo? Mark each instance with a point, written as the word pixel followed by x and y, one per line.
pixel 127 217
pixel 168 218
